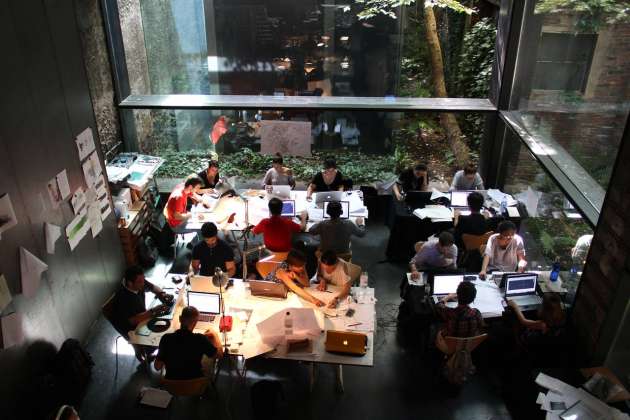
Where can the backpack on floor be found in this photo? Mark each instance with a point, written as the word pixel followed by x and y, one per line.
pixel 72 370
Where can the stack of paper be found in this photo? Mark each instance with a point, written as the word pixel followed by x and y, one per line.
pixel 434 212
pixel 489 299
pixel 499 196
pixel 155 397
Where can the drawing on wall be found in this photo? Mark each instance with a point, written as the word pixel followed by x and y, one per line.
pixel 77 229
pixel 7 214
pixel 78 201
pixel 285 137
pixel 52 233
pixel 63 185
pixel 92 169
pixel 53 192
pixel 85 143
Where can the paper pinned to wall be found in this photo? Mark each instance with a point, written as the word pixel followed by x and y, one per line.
pixel 78 201
pixel 52 233
pixel 12 331
pixel 5 293
pixel 94 217
pixel 53 192
pixel 77 229
pixel 31 269
pixel 7 214
pixel 92 169
pixel 85 143
pixel 62 183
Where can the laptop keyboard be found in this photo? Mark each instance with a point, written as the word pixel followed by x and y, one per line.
pixel 529 300
pixel 206 318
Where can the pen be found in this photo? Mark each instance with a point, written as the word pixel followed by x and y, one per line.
pixel 354 325
pixel 328 291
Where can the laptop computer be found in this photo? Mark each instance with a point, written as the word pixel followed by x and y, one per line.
pixel 345 210
pixel 346 342
pixel 288 208
pixel 323 196
pixel 280 191
pixel 268 289
pixel 521 288
pixel 459 198
pixel 446 284
pixel 417 199
pixel 208 304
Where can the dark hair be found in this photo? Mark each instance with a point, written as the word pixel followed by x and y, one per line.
pixel 334 209
pixel 330 162
pixel 131 273
pixel 209 230
pixel 212 163
pixel 275 206
pixel 505 226
pixel 420 167
pixel 466 293
pixel 193 181
pixel 188 314
pixel 296 257
pixel 446 239
pixel 470 169
pixel 329 257
pixel 475 201
pixel 551 310
pixel 277 159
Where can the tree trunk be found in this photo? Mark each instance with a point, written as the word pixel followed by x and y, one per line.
pixel 447 120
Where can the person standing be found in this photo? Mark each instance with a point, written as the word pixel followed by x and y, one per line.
pixel 467 179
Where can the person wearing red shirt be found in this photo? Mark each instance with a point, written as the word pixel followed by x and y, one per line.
pixel 277 230
pixel 175 209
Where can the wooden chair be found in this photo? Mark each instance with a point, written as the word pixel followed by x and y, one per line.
pixel 186 387
pixel 451 346
pixel 473 243
pixel 266 265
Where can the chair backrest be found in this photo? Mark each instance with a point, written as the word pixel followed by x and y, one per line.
pixel 266 265
pixel 450 345
pixel 186 387
pixel 354 271
pixel 475 242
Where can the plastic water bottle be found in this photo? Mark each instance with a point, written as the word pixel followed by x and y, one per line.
pixel 288 324
pixel 363 284
pixel 555 271
pixel 503 207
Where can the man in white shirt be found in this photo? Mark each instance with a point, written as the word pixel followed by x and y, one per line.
pixel 505 251
pixel 467 179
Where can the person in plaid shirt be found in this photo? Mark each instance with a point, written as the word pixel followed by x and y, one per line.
pixel 462 321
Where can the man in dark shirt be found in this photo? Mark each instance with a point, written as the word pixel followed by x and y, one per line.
pixel 181 352
pixel 210 177
pixel 473 224
pixel 212 252
pixel 412 179
pixel 277 230
pixel 462 321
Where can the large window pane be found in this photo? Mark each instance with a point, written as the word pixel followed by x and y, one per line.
pixel 571 89
pixel 307 47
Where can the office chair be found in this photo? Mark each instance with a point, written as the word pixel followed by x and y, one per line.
pixel 451 346
pixel 108 313
pixel 474 243
pixel 266 265
pixel 185 388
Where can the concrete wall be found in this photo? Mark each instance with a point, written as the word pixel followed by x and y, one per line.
pixel 45 103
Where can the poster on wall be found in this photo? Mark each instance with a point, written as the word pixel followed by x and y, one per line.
pixel 7 214
pixel 94 217
pixel 285 137
pixel 92 169
pixel 78 201
pixel 85 143
pixel 62 183
pixel 77 229
pixel 52 233
pixel 53 193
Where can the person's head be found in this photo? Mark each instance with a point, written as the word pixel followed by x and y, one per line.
pixel 277 161
pixel 475 201
pixel 466 293
pixel 506 230
pixel 193 184
pixel 445 242
pixel 470 170
pixel 330 164
pixel 329 261
pixel 551 310
pixel 296 260
pixel 66 412
pixel 213 168
pixel 209 233
pixel 334 209
pixel 189 317
pixel 134 278
pixel 275 206
pixel 420 170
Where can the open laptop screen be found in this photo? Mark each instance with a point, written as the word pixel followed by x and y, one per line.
pixel 459 198
pixel 288 208
pixel 207 303
pixel 443 285
pixel 345 210
pixel 520 284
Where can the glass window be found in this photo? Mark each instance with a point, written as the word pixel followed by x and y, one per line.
pixel 571 89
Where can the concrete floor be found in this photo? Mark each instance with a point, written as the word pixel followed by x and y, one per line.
pixel 402 384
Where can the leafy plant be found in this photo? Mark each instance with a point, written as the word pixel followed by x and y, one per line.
pixel 591 14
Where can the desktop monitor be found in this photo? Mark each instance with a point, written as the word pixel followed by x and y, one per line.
pixel 288 208
pixel 345 210
pixel 205 302
pixel 445 284
pixel 520 284
pixel 459 198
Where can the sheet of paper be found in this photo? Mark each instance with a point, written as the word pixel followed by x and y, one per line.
pixel 513 212
pixel 434 212
pixel 7 214
pixel 53 192
pixel 499 196
pixel 78 201
pixel 435 194
pixel 155 397
pixel 417 282
pixel 92 169
pixel 94 217
pixel 362 320
pixel 489 298
pixel 272 329
pixel 5 293
pixel 355 202
pixel 77 229
pixel 85 143
pixel 116 174
pixel 31 269
pixel 12 332
pixel 52 233
pixel 62 183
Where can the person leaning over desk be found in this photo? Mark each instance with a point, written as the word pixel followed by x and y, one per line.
pixel 292 272
pixel 278 174
pixel 467 179
pixel 505 251
pixel 175 208
pixel 333 270
pixel 181 352
pixel 440 254
pixel 210 177
pixel 411 179
pixel 328 179
pixel 277 230
pixel 212 252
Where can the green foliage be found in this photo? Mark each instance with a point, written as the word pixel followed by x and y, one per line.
pixel 591 14
pixel 372 8
pixel 555 237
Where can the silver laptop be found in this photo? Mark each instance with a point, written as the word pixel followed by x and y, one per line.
pixel 268 289
pixel 345 210
pixel 323 196
pixel 521 288
pixel 280 191
pixel 208 304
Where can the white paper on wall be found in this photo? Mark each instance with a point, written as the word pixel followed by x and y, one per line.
pixel 77 229
pixel 62 183
pixel 31 269
pixel 7 214
pixel 52 233
pixel 85 143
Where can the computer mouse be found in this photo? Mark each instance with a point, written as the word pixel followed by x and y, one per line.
pixel 160 323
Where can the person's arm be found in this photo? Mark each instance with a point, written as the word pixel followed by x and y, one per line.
pixel 303 218
pixel 448 298
pixel 310 190
pixel 290 283
pixel 397 192
pixel 321 285
pixel 478 182
pixel 415 262
pixel 144 316
pixel 452 256
pixel 158 364
pixel 231 268
pixel 345 291
pixel 159 359
pixel 527 323
pixel 358 229
pixel 522 262
pixel 454 182
pixel 196 265
pixel 456 215
pixel 486 258
pixel 214 339
pixel 266 179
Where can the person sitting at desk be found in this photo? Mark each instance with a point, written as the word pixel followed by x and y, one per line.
pixel 333 270
pixel 278 174
pixel 467 179
pixel 181 352
pixel 473 224
pixel 335 233
pixel 292 272
pixel 212 252
pixel 210 177
pixel 462 321
pixel 329 179
pixel 411 179
pixel 277 230
pixel 129 306
pixel 440 254
pixel 175 208
pixel 504 252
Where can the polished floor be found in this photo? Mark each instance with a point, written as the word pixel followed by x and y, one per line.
pixel 403 383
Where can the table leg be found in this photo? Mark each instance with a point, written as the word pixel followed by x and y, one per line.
pixel 339 378
pixel 312 371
